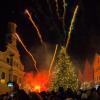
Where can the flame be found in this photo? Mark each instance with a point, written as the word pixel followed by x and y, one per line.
pixel 37 83
pixel 37 88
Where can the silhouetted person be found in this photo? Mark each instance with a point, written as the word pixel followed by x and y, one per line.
pixel 35 96
pixel 98 93
pixel 19 94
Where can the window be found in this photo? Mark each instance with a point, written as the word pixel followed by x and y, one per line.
pixel 17 65
pixel 20 80
pixel 14 63
pixel 98 68
pixel 15 78
pixel 11 60
pixel 98 60
pixel 2 75
pixel 8 60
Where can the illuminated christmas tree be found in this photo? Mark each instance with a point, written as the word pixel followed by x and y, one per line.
pixel 64 73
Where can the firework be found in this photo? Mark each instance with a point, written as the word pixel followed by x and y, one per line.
pixel 35 26
pixel 49 6
pixel 19 39
pixel 52 61
pixel 38 32
pixel 71 26
pixel 30 18
pixel 57 7
pixel 61 17
pixel 64 9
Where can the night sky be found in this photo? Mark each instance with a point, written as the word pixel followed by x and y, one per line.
pixel 85 37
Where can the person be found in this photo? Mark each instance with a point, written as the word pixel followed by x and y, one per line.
pixel 35 96
pixel 92 94
pixel 18 94
pixel 98 93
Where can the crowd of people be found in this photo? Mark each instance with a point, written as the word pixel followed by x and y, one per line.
pixel 19 94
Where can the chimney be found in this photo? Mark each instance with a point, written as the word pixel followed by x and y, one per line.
pixel 12 27
pixel 11 38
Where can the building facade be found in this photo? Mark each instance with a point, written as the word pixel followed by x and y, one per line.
pixel 11 68
pixel 96 67
pixel 91 73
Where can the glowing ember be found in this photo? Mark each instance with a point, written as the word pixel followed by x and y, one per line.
pixel 37 83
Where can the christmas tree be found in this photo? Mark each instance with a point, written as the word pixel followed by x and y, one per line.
pixel 64 74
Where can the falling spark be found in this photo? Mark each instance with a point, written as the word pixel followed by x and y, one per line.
pixel 40 37
pixel 49 6
pixel 52 61
pixel 64 6
pixel 38 32
pixel 71 26
pixel 62 18
pixel 57 7
pixel 19 39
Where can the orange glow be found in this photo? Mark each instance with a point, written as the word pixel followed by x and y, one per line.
pixel 37 83
pixel 96 68
pixel 37 88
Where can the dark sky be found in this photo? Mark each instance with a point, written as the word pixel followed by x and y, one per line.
pixel 85 38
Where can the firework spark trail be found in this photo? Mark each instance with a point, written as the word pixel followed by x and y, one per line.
pixel 64 8
pixel 52 61
pixel 38 32
pixel 30 18
pixel 57 7
pixel 65 4
pixel 71 26
pixel 49 6
pixel 19 39
pixel 64 14
pixel 62 18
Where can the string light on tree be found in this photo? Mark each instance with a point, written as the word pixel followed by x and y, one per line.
pixel 64 74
